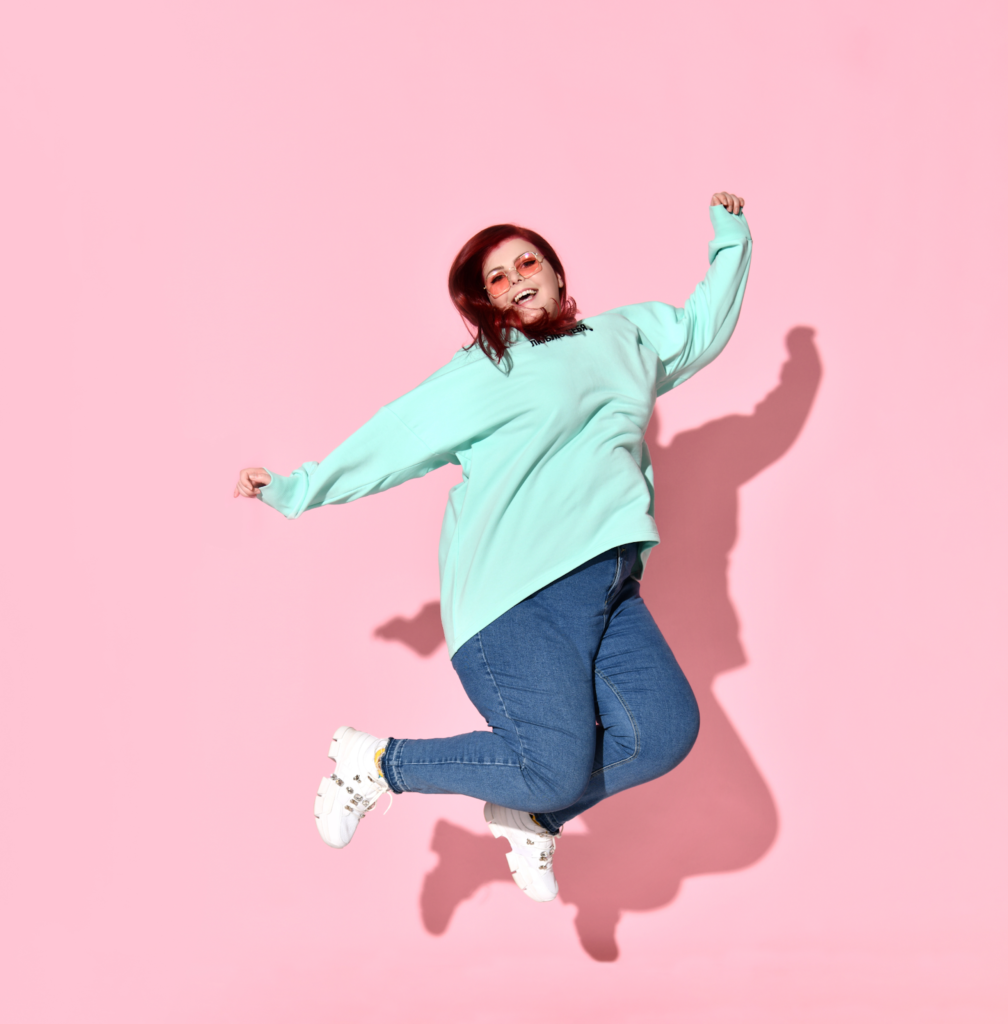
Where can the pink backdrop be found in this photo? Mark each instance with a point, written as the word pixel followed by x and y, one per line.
pixel 225 233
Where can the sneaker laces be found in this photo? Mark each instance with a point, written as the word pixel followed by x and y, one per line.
pixel 547 847
pixel 360 804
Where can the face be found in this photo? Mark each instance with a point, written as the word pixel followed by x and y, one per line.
pixel 526 295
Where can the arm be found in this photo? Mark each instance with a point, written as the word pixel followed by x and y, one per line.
pixel 383 453
pixel 408 438
pixel 687 339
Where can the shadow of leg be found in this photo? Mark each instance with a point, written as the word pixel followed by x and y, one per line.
pixel 713 813
pixel 467 862
pixel 596 928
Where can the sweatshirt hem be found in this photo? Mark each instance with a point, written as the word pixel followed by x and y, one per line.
pixel 544 579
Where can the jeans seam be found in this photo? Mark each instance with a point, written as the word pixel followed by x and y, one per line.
pixel 500 698
pixel 633 723
pixel 612 586
pixel 482 764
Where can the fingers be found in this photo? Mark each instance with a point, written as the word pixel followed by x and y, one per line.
pixel 731 202
pixel 248 479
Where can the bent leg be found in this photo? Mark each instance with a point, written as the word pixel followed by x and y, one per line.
pixel 530 674
pixel 541 749
pixel 648 714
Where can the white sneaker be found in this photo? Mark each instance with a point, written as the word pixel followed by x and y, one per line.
pixel 531 856
pixel 353 789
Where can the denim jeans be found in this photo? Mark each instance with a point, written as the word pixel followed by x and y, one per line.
pixel 582 694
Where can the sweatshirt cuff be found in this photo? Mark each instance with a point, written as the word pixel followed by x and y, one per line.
pixel 280 493
pixel 727 224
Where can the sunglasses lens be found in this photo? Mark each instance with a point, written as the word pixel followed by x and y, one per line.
pixel 528 265
pixel 497 283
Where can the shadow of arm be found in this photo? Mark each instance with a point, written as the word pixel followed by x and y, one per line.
pixel 759 440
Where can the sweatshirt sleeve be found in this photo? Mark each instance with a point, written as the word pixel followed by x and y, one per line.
pixel 686 340
pixel 383 453
pixel 389 449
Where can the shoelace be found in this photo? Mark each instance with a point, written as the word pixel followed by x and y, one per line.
pixel 359 804
pixel 545 855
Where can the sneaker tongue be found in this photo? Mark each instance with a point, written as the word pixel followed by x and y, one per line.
pixel 373 748
pixel 536 824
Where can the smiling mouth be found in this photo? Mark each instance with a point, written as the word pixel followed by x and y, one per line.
pixel 524 297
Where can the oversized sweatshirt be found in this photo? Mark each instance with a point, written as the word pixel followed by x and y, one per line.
pixel 551 442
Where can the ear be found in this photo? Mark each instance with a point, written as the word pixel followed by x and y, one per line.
pixel 560 281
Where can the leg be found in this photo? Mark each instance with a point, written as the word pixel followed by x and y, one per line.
pixel 530 673
pixel 648 714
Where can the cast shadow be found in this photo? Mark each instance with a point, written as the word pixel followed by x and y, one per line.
pixel 423 633
pixel 714 812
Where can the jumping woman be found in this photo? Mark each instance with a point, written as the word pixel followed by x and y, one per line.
pixel 543 543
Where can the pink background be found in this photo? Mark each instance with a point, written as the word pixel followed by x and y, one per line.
pixel 225 231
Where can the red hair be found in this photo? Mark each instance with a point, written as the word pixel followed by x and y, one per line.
pixel 492 328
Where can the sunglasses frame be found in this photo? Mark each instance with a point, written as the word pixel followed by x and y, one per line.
pixel 517 260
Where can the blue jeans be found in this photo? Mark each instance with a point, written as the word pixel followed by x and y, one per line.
pixel 582 693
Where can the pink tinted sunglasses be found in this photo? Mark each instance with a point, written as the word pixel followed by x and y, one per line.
pixel 498 281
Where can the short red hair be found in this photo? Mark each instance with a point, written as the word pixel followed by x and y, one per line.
pixel 492 328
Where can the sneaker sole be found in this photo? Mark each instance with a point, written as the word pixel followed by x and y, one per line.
pixel 519 866
pixel 326 788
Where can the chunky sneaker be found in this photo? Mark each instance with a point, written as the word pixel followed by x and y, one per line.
pixel 531 856
pixel 353 789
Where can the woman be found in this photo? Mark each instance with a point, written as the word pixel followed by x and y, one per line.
pixel 543 543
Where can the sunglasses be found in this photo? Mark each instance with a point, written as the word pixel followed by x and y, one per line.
pixel 499 281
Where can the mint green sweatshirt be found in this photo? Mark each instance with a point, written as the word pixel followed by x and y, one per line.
pixel 554 465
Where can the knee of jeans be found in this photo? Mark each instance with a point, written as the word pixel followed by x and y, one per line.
pixel 662 749
pixel 690 729
pixel 685 727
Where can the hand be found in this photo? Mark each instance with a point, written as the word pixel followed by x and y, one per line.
pixel 250 480
pixel 733 204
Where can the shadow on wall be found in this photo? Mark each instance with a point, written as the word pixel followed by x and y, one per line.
pixel 423 632
pixel 714 812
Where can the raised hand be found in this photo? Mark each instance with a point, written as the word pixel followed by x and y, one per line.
pixel 732 203
pixel 250 480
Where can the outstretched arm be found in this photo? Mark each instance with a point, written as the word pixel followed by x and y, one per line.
pixel 383 453
pixel 407 438
pixel 687 339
